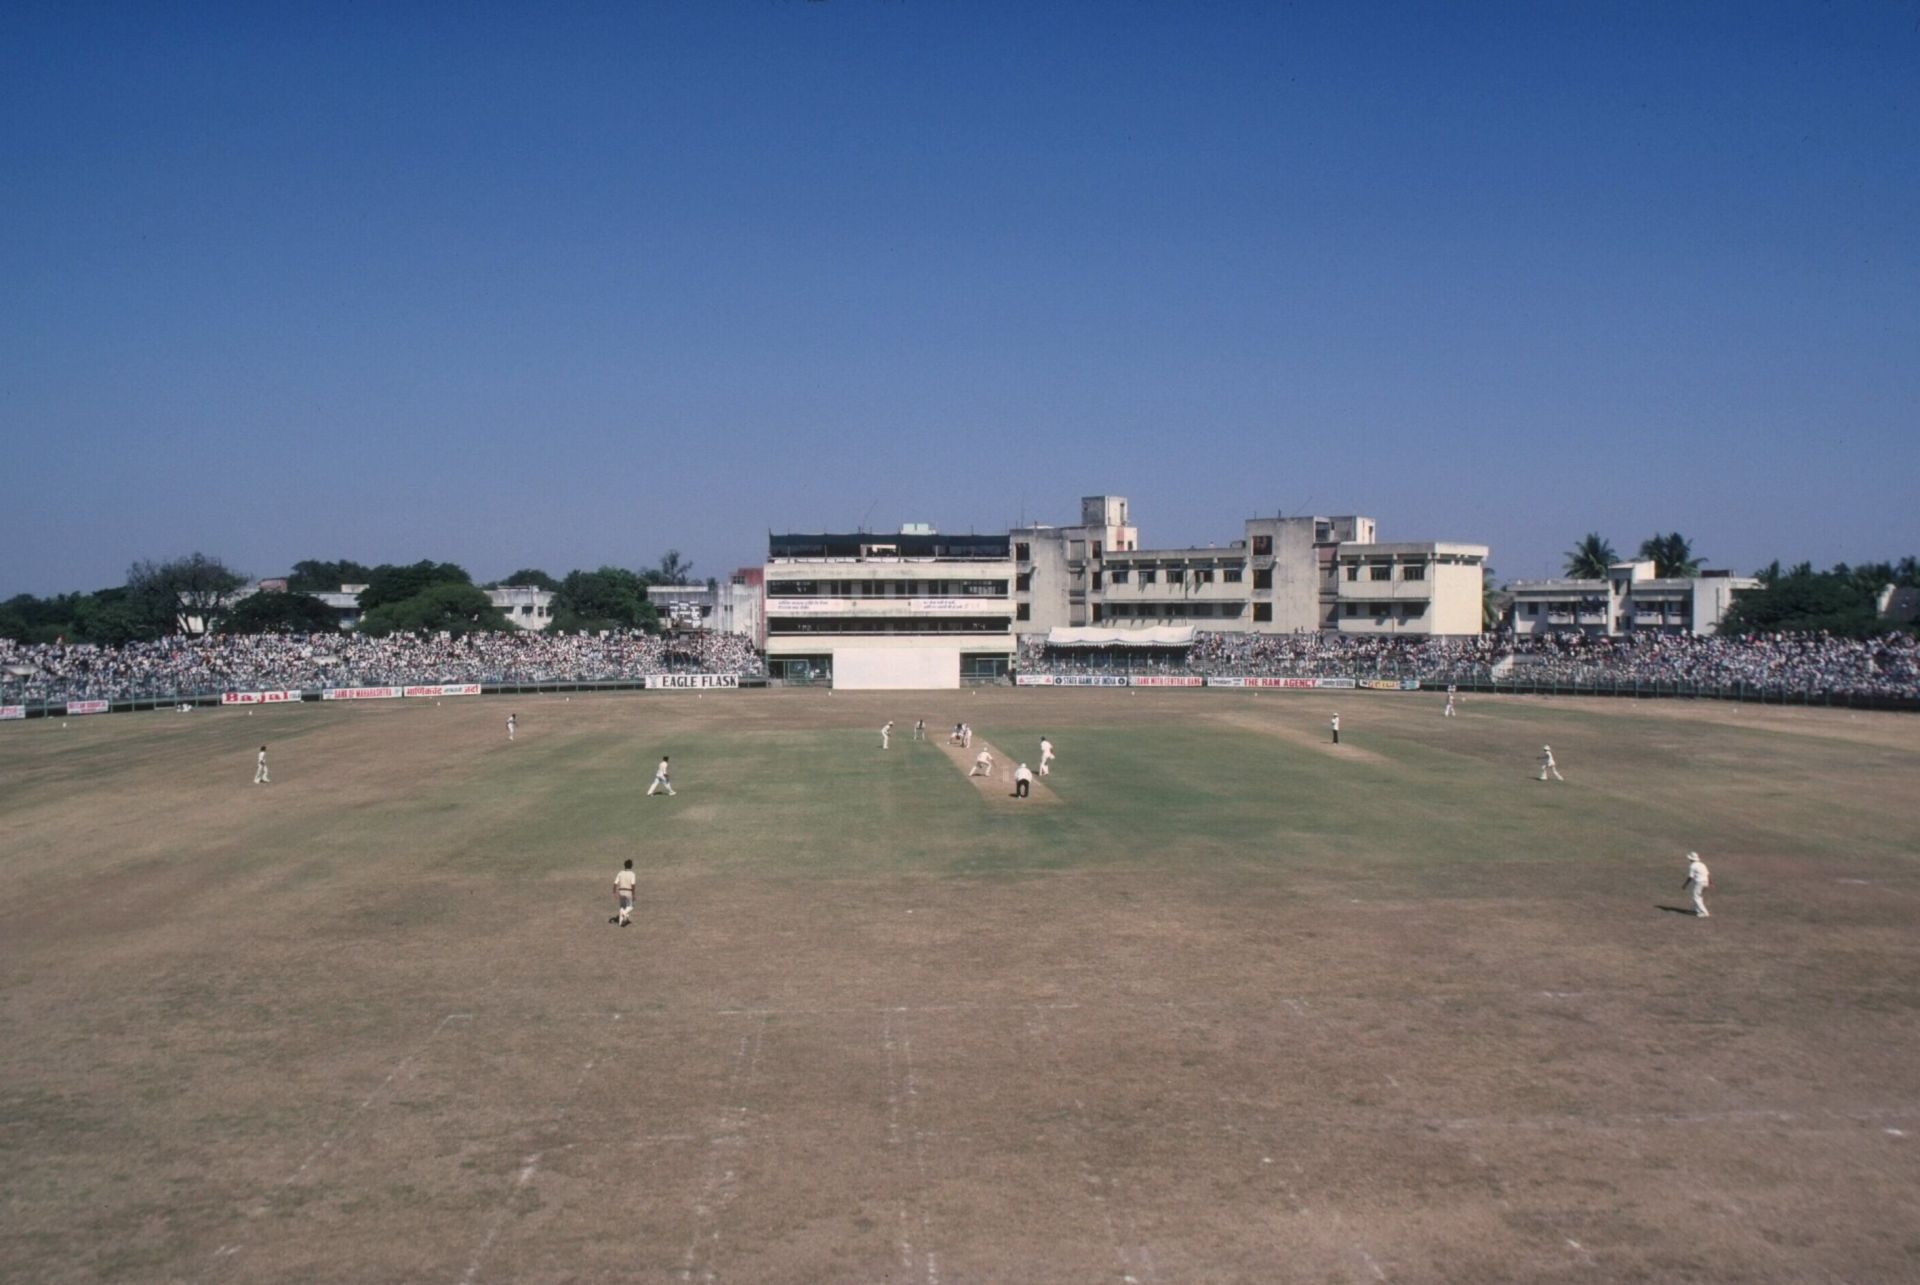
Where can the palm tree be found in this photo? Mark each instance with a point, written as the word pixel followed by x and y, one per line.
pixel 1671 555
pixel 1589 559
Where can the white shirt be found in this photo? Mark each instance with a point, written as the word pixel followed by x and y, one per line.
pixel 1046 748
pixel 661 771
pixel 983 759
pixel 1697 873
pixel 1022 774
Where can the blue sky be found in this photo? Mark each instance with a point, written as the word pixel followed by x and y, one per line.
pixel 569 285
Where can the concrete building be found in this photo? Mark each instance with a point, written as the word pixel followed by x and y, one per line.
pixel 742 605
pixel 1282 576
pixel 1424 588
pixel 1632 598
pixel 526 606
pixel 889 611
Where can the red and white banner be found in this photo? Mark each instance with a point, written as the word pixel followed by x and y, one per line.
pixel 12 711
pixel 1298 684
pixel 86 707
pixel 258 698
pixel 1191 680
pixel 445 689
pixel 361 694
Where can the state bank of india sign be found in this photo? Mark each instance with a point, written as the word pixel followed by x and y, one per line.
pixel 690 682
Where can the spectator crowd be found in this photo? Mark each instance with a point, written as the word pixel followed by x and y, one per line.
pixel 182 666
pixel 1773 664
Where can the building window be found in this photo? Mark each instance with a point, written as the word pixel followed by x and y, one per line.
pixel 1203 577
pixel 1119 575
pixel 1353 609
pixel 1023 552
pixel 1533 609
pixel 1413 608
pixel 1097 576
pixel 1076 550
pixel 1413 571
pixel 1096 613
pixel 1148 575
pixel 1096 548
pixel 1262 546
pixel 1024 582
pixel 1380 571
pixel 1024 611
pixel 1353 571
pixel 1233 575
pixel 1262 611
pixel 1263 578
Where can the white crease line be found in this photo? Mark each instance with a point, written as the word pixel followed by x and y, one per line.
pixel 721 1185
pixel 525 1176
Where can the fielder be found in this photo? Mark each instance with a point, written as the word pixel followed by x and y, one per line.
pixel 510 726
pixel 886 733
pixel 660 781
pixel 919 729
pixel 623 894
pixel 1547 764
pixel 1697 882
pixel 1449 710
pixel 260 776
pixel 1046 757
pixel 982 765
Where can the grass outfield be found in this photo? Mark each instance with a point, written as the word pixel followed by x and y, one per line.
pixel 1231 1004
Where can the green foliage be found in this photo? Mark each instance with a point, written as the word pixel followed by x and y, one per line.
pixel 280 613
pixel 310 576
pixel 1803 600
pixel 388 585
pixel 1589 559
pixel 672 569
pixel 448 606
pixel 1672 556
pixel 161 594
pixel 531 576
pixel 25 618
pixel 610 598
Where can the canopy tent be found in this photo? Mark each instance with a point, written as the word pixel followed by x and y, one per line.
pixel 1086 636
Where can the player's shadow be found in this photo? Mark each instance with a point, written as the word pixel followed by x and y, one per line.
pixel 1677 910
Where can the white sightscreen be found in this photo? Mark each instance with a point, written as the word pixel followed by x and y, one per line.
pixel 885 669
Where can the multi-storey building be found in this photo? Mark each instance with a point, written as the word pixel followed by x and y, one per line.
pixel 912 610
pixel 1632 598
pixel 1283 576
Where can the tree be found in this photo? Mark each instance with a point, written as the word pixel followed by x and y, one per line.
pixel 165 594
pixel 310 576
pixel 1671 555
pixel 388 584
pixel 1589 559
pixel 280 613
pixel 532 576
pixel 448 606
pixel 610 598
pixel 673 569
pixel 1493 602
pixel 1804 600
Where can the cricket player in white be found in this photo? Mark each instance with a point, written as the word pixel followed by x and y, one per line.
pixel 1449 710
pixel 886 733
pixel 1334 723
pixel 1046 757
pixel 1697 881
pixel 660 781
pixel 623 894
pixel 966 736
pixel 982 764
pixel 510 727
pixel 1547 764
pixel 920 729
pixel 260 776
pixel 1022 781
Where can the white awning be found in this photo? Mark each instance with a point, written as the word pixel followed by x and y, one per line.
pixel 1087 636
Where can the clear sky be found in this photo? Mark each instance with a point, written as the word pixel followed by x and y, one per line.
pixel 564 285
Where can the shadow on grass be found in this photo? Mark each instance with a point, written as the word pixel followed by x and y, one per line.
pixel 1677 910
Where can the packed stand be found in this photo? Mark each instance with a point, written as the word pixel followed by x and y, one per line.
pixel 273 662
pixel 1775 664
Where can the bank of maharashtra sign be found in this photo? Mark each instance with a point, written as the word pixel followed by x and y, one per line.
pixel 691 682
pixel 361 694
